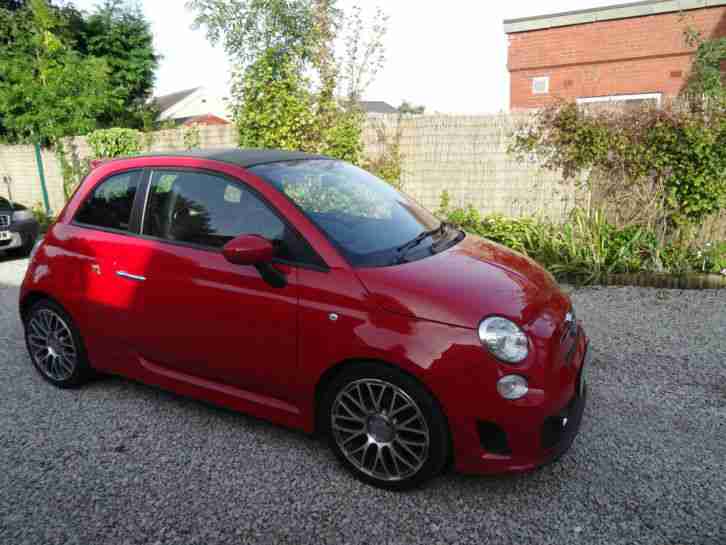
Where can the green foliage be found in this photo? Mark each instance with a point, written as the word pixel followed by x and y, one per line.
pixel 249 29
pixel 388 164
pixel 109 143
pixel 706 78
pixel 63 73
pixel 191 137
pixel 277 109
pixel 119 33
pixel 47 89
pixel 587 247
pixel 288 72
pixel 677 152
pixel 42 217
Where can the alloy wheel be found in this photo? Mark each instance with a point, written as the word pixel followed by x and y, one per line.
pixel 51 345
pixel 380 429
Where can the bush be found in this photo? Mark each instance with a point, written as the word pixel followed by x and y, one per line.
pixel 42 217
pixel 109 143
pixel 586 247
pixel 671 160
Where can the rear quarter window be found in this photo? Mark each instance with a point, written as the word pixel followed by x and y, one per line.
pixel 110 204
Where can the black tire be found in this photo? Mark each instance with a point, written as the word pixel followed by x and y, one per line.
pixel 387 383
pixel 48 315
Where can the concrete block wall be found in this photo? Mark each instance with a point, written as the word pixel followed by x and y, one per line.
pixel 19 163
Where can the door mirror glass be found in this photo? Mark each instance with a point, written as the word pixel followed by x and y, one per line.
pixel 249 250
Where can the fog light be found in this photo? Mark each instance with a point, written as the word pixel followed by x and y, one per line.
pixel 512 387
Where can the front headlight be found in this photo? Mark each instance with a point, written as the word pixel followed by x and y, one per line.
pixel 504 339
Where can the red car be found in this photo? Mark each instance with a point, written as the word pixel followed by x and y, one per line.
pixel 306 291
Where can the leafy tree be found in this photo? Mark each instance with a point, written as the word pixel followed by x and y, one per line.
pixel 47 89
pixel 63 72
pixel 250 28
pixel 277 110
pixel 289 76
pixel 118 32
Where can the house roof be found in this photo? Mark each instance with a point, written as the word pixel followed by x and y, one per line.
pixel 377 107
pixel 240 157
pixel 167 101
pixel 607 13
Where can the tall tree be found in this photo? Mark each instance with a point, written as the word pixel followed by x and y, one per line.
pixel 291 88
pixel 98 67
pixel 47 89
pixel 248 29
pixel 118 32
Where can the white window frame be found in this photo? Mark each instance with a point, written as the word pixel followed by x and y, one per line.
pixel 658 97
pixel 539 79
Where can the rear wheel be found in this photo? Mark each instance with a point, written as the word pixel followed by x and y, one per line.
pixel 385 427
pixel 55 345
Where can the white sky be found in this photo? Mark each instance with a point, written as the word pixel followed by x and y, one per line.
pixel 448 55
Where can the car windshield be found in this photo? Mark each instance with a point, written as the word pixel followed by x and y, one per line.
pixel 4 203
pixel 366 218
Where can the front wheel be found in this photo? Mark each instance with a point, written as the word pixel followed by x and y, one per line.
pixel 386 428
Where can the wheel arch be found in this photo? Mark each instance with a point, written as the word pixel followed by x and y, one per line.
pixel 31 298
pixel 330 374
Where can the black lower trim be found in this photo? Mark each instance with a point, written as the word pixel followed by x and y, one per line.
pixel 493 438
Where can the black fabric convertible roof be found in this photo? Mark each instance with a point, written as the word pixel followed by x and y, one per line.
pixel 240 157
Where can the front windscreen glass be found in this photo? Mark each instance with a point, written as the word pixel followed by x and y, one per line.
pixel 366 218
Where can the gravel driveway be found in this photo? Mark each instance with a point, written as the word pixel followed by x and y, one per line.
pixel 118 462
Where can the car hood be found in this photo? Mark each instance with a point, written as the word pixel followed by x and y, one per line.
pixel 463 284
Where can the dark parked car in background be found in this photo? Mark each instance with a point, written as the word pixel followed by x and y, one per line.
pixel 18 228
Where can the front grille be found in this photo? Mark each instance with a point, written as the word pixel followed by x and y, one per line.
pixel 493 438
pixel 4 221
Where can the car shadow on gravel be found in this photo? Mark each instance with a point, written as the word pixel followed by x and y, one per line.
pixel 297 441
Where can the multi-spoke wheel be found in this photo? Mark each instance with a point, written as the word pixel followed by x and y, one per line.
pixel 386 427
pixel 54 345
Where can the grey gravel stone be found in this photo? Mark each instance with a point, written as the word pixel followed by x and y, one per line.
pixel 120 463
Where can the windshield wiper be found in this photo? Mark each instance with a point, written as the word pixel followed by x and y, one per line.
pixel 420 238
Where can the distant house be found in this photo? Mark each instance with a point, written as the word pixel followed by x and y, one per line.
pixel 623 53
pixel 377 107
pixel 192 106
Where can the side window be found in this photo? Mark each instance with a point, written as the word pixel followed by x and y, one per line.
pixel 111 202
pixel 208 210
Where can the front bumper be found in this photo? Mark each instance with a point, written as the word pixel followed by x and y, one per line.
pixel 10 241
pixel 532 432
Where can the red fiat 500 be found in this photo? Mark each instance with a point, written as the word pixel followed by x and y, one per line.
pixel 306 291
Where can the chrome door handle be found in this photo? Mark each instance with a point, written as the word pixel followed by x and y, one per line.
pixel 124 274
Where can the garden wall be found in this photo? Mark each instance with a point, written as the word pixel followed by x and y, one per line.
pixel 464 155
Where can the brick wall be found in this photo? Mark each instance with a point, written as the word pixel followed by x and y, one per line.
pixel 627 56
pixel 464 155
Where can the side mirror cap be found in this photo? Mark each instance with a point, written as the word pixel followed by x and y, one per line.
pixel 249 250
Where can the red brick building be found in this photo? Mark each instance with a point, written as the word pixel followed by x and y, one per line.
pixel 626 52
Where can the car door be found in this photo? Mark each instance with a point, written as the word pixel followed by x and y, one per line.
pixel 199 314
pixel 99 245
